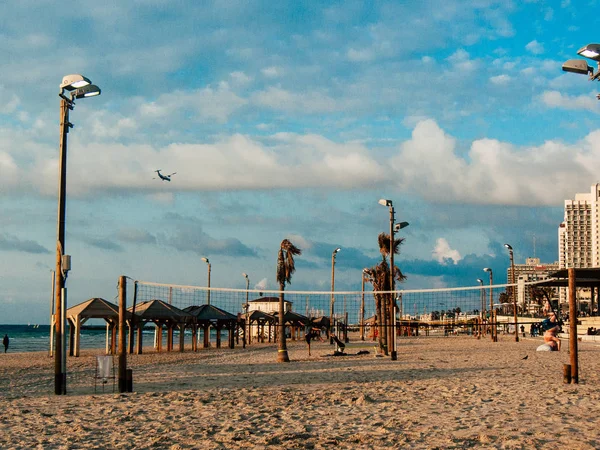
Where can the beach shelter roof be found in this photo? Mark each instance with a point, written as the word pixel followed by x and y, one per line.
pixel 267 300
pixel 583 278
pixel 295 319
pixel 96 308
pixel 157 310
pixel 210 313
pixel 261 317
pixel 320 322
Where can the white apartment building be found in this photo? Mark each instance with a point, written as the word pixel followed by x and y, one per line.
pixel 579 233
pixel 532 270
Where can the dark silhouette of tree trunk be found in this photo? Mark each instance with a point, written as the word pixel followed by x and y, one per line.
pixel 379 277
pixel 285 268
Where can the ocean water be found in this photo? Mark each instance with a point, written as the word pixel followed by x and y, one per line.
pixel 36 338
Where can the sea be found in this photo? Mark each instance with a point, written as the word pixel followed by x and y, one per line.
pixel 36 338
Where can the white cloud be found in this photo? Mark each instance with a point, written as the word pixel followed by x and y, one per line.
pixel 281 99
pixel 272 72
pixel 535 47
pixel 362 55
pixel 442 252
pixel 501 79
pixel 493 172
pixel 555 99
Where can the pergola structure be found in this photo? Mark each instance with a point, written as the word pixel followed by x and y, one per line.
pixel 209 316
pixel 573 279
pixel 94 308
pixel 161 314
pixel 259 319
pixel 584 278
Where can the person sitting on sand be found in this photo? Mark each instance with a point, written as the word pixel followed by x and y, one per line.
pixel 310 335
pixel 552 328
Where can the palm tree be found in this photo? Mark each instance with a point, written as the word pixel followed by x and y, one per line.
pixel 379 277
pixel 285 268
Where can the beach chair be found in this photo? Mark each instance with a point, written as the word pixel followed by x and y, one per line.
pixel 105 370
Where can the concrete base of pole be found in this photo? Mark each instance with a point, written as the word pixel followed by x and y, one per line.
pixel 282 356
pixel 394 355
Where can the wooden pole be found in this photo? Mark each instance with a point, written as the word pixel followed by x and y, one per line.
pixel 122 352
pixel 573 327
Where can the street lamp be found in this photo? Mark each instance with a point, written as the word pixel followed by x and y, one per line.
pixel 208 292
pixel 362 305
pixel 333 254
pixel 78 86
pixel 514 288
pixel 246 308
pixel 482 306
pixel 391 333
pixel 591 51
pixel 487 269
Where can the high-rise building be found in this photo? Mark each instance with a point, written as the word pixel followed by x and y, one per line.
pixel 579 233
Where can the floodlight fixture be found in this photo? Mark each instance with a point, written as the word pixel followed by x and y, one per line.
pixel 385 202
pixel 591 51
pixel 74 81
pixel 400 225
pixel 89 90
pixel 577 66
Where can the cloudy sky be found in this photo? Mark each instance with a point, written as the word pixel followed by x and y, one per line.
pixel 289 119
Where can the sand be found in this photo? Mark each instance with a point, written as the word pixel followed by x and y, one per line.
pixel 442 393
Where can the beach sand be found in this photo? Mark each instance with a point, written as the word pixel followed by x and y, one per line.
pixel 441 393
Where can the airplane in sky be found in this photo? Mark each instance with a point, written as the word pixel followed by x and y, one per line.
pixel 164 177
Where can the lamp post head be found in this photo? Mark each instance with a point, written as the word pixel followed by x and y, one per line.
pixel 480 280
pixel 74 81
pixel 89 90
pixel 579 66
pixel 508 246
pixel 385 202
pixel 487 269
pixel 245 275
pixel 336 250
pixel 591 51
pixel 206 260
pixel 400 225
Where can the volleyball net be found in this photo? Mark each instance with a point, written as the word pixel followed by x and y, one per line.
pixel 447 306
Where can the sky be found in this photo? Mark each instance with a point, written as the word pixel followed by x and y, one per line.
pixel 289 119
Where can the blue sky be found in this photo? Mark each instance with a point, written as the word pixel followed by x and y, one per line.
pixel 289 119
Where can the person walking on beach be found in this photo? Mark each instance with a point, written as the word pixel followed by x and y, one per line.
pixel 5 341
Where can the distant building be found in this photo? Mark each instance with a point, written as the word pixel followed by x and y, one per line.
pixel 532 270
pixel 269 305
pixel 579 235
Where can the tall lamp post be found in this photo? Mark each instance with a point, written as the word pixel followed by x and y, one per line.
pixel 331 308
pixel 246 307
pixel 78 86
pixel 362 305
pixel 513 288
pixel 492 322
pixel 482 307
pixel 208 283
pixel 391 332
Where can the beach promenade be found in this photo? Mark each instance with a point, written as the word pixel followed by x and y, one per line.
pixel 442 393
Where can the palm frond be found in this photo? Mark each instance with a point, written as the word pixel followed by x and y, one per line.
pixel 286 265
